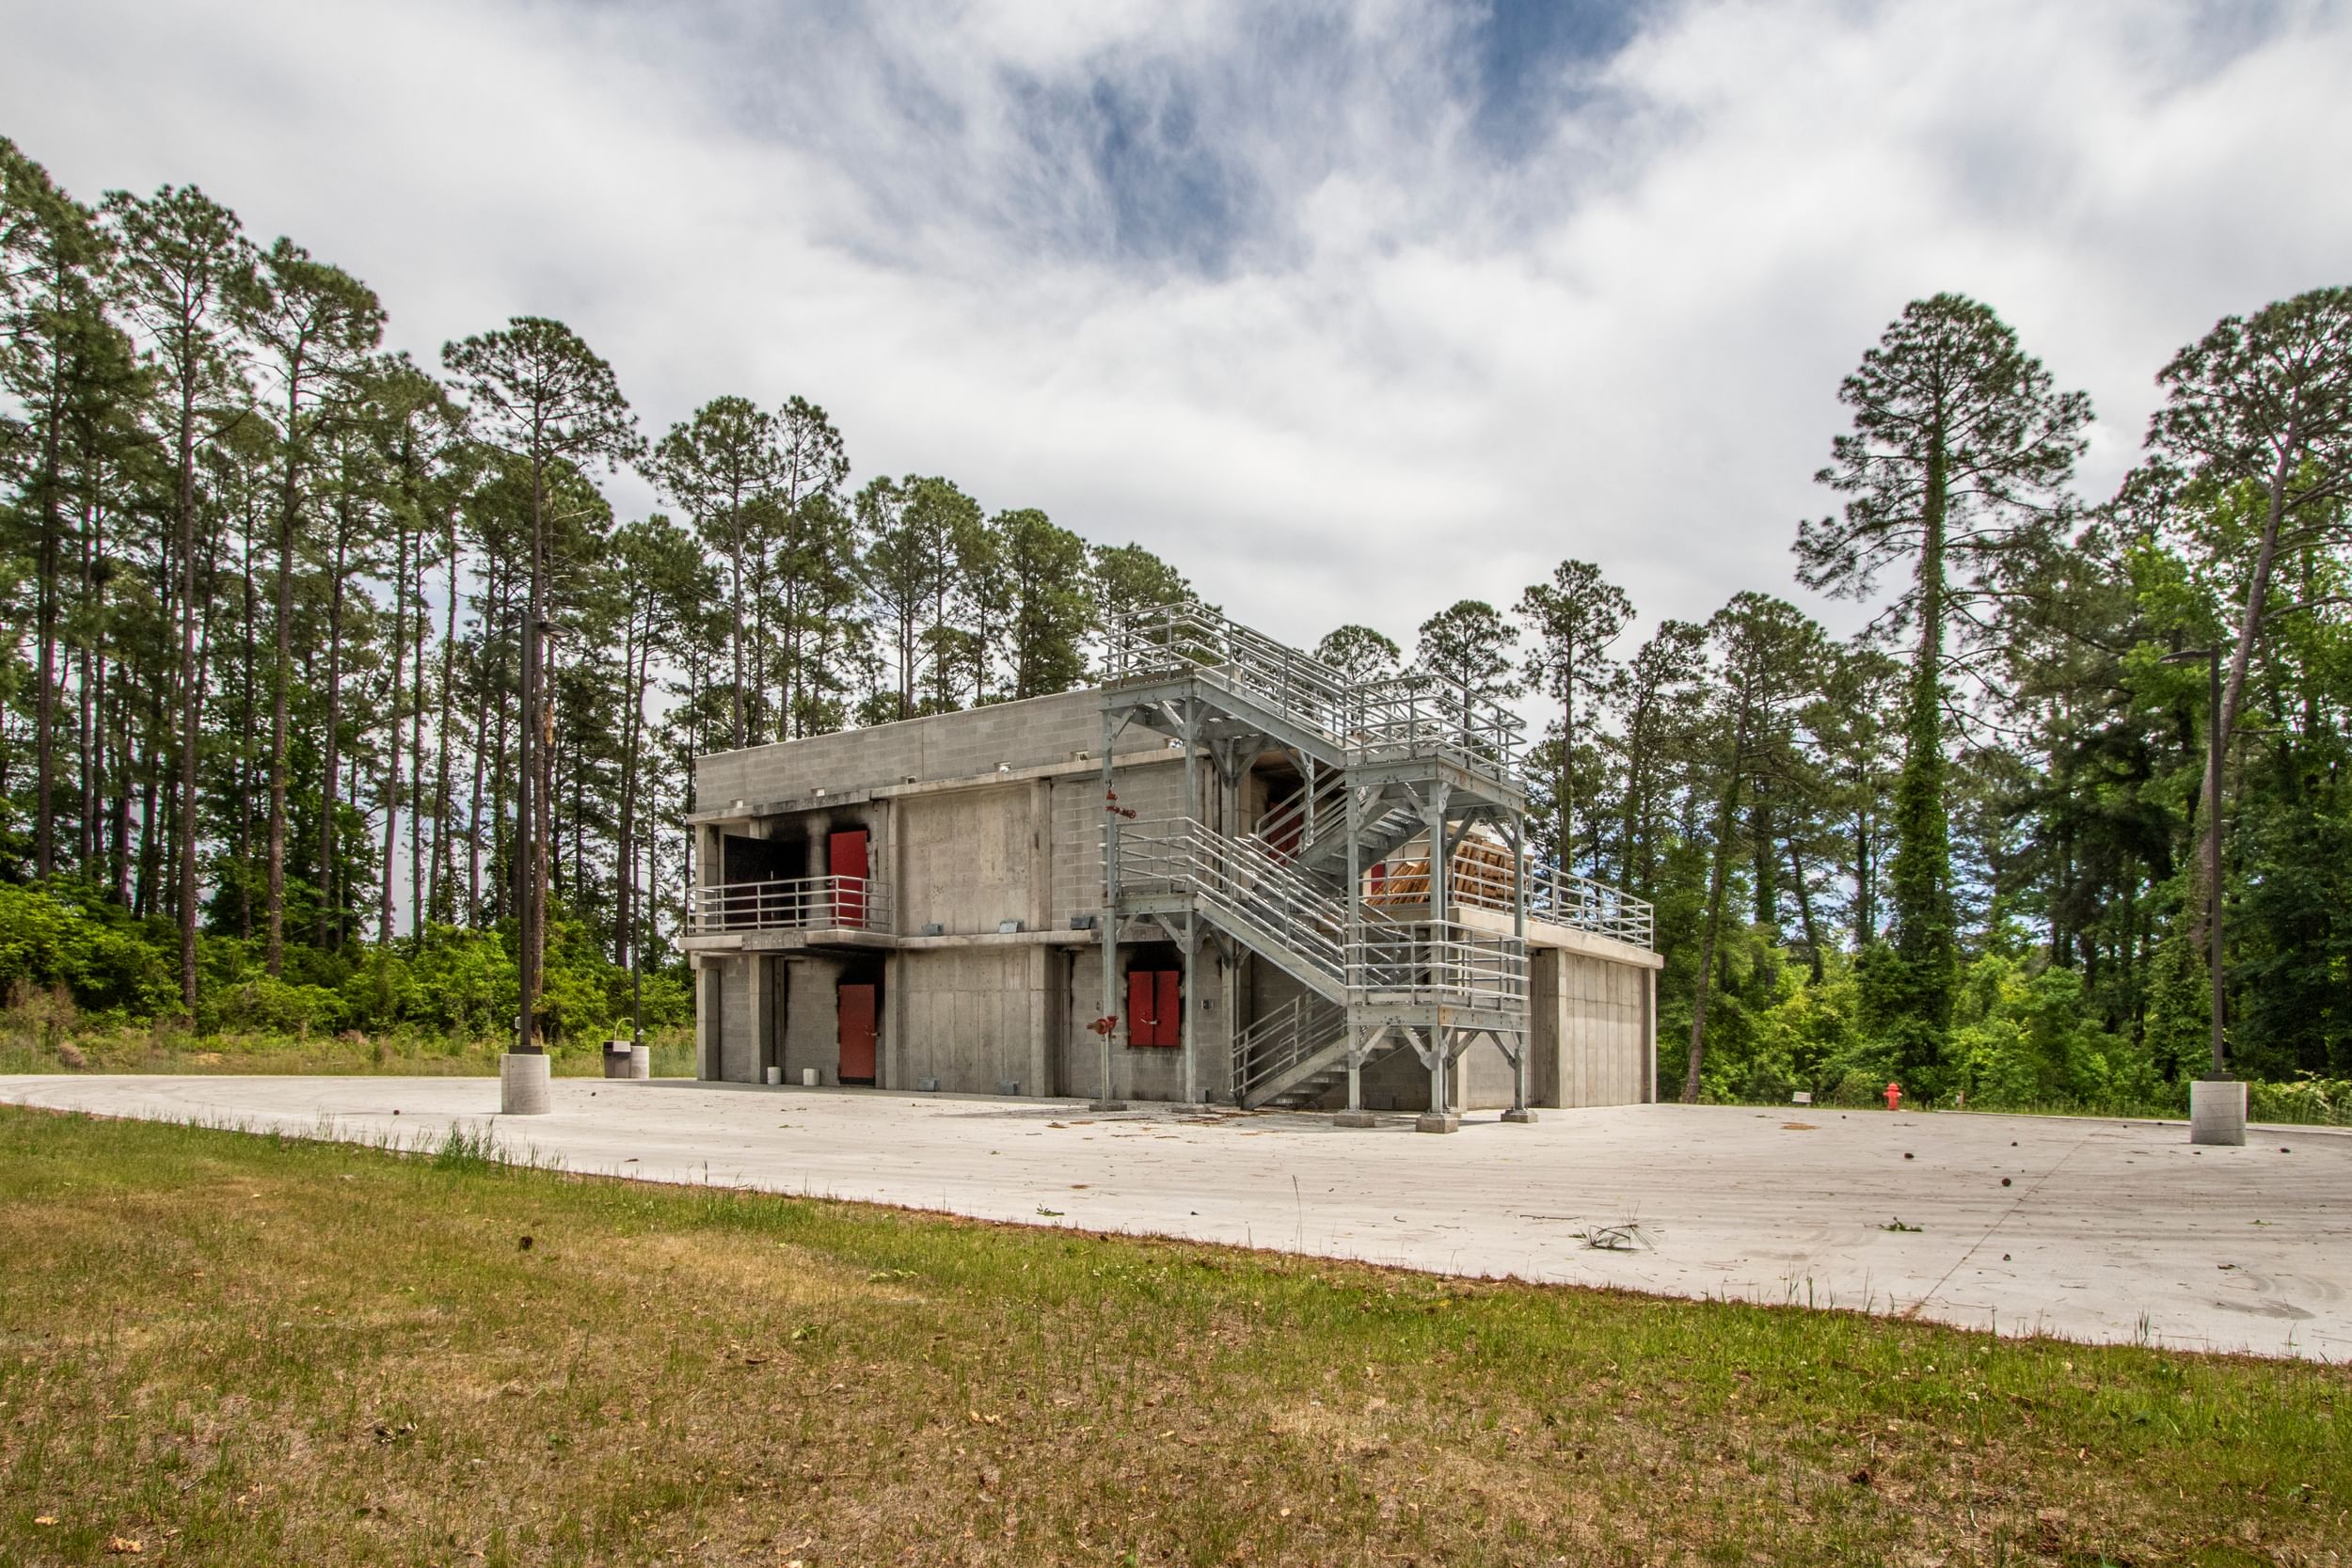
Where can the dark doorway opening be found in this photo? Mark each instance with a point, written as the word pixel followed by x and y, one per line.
pixel 857 1011
pixel 1155 994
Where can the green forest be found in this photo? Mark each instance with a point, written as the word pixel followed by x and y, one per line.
pixel 262 714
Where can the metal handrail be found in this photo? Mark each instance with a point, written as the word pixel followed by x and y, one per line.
pixel 1293 828
pixel 1417 713
pixel 794 903
pixel 1417 962
pixel 1274 1044
pixel 1181 855
pixel 1565 898
pixel 1193 638
pixel 1558 897
pixel 1381 959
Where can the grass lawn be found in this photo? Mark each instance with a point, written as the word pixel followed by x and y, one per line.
pixel 230 1349
pixel 25 1046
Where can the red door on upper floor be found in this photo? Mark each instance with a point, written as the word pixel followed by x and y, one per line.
pixel 846 855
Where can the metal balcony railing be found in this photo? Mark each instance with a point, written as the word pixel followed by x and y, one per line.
pixel 1436 962
pixel 1560 897
pixel 797 903
pixel 1565 898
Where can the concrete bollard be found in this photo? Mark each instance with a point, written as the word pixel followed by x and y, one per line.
pixel 640 1062
pixel 524 1087
pixel 2216 1112
pixel 775 1076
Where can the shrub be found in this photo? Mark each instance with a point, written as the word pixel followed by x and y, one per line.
pixel 265 1004
pixel 109 962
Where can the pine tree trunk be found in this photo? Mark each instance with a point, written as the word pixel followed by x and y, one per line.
pixel 391 730
pixel 45 617
pixel 1922 871
pixel 190 687
pixel 329 930
pixel 281 678
pixel 444 865
pixel 1718 884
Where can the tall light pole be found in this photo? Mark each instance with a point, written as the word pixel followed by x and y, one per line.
pixel 2217 1102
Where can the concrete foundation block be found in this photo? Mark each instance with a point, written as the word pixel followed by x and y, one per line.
pixel 1355 1119
pixel 1106 1104
pixel 525 1088
pixel 640 1062
pixel 1435 1121
pixel 2216 1112
pixel 1523 1114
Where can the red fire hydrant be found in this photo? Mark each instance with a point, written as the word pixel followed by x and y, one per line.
pixel 1894 1097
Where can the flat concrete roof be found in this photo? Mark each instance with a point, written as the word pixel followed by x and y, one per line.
pixel 2107 1231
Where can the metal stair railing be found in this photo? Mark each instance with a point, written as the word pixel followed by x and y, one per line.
pixel 1193 638
pixel 1273 1045
pixel 1382 962
pixel 1181 855
pixel 1299 823
pixel 1420 714
pixel 1412 715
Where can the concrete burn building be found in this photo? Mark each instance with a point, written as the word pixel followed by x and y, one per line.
pixel 1207 879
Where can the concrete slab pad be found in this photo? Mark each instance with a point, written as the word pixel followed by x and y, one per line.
pixel 2089 1229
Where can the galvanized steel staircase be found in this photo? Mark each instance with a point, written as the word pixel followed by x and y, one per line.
pixel 1282 891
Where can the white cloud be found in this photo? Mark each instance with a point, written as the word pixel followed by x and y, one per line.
pixel 1312 338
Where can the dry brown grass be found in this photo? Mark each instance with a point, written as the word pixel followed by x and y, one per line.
pixel 236 1350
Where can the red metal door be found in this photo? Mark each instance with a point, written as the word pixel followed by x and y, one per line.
pixel 1143 1019
pixel 855 1009
pixel 1170 1007
pixel 846 857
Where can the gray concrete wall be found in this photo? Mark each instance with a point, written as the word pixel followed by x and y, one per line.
pixel 738 1044
pixel 969 860
pixel 1042 732
pixel 1593 1030
pixel 968 1017
pixel 812 1035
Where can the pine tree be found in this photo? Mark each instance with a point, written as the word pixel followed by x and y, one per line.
pixel 1960 446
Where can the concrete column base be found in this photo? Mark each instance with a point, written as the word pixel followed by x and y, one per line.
pixel 1437 1121
pixel 524 1085
pixel 2216 1111
pixel 1520 1114
pixel 1355 1119
pixel 1106 1104
pixel 641 1061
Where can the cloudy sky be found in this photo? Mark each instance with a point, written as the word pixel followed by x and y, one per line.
pixel 1348 311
